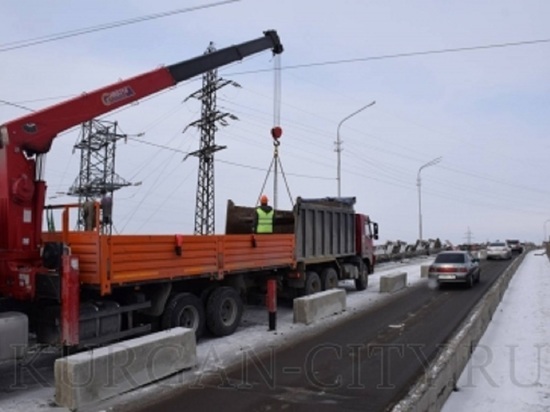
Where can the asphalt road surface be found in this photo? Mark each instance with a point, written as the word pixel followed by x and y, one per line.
pixel 367 363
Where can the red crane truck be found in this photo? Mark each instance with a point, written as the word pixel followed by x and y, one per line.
pixel 83 287
pixel 51 277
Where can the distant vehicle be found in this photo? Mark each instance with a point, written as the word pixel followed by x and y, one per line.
pixel 498 250
pixel 514 245
pixel 455 267
pixel 471 247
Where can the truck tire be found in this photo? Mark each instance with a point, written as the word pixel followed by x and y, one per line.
pixel 186 310
pixel 205 294
pixel 362 280
pixel 329 279
pixel 313 283
pixel 224 311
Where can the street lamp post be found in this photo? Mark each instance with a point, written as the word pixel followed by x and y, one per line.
pixel 419 184
pixel 339 144
pixel 545 235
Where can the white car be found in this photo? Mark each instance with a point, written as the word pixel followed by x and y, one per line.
pixel 498 250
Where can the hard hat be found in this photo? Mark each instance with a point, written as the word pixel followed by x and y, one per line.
pixel 264 200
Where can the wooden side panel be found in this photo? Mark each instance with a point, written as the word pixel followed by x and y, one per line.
pixel 242 252
pixel 108 261
pixel 144 258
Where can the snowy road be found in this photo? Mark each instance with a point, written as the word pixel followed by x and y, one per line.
pixel 512 315
pixel 366 362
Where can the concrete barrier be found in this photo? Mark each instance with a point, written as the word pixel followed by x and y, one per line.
pixel 431 391
pixel 89 377
pixel 480 254
pixel 310 308
pixel 393 282
pixel 14 335
pixel 424 271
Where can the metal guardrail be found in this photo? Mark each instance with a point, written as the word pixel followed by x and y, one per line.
pixel 394 251
pixel 439 379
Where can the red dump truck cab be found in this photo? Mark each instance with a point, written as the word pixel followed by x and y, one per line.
pixel 366 232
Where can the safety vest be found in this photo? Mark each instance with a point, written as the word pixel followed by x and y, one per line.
pixel 265 221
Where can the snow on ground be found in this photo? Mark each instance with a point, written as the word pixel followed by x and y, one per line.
pixel 510 368
pixel 248 340
pixel 253 337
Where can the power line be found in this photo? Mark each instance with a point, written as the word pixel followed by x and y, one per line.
pixel 401 154
pixel 297 66
pixel 401 55
pixel 160 146
pixel 391 56
pixel 263 170
pixel 78 32
pixel 491 179
pixel 19 106
pixel 67 96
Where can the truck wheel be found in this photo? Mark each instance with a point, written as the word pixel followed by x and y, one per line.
pixel 313 283
pixel 224 311
pixel 362 280
pixel 329 279
pixel 186 310
pixel 205 294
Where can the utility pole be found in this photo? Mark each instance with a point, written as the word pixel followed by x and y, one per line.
pixel 97 145
pixel 469 236
pixel 338 144
pixel 419 185
pixel 210 118
pixel 545 235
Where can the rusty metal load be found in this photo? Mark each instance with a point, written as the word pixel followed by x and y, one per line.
pixel 240 220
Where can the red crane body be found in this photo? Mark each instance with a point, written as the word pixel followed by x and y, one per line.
pixel 24 140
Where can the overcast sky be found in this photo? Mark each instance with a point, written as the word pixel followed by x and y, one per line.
pixel 485 112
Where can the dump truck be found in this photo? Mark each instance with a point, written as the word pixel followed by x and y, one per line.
pixel 331 241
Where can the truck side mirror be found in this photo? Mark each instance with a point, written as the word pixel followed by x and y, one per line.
pixel 375 230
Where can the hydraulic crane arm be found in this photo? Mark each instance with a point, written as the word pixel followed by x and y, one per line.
pixel 22 141
pixel 34 133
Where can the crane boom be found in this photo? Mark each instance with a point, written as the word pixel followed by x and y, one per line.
pixel 23 140
pixel 34 132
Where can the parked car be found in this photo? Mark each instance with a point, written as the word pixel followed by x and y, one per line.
pixel 515 245
pixel 498 250
pixel 455 267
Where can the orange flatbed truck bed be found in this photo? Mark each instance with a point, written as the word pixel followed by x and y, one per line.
pixel 108 261
pixel 114 286
pixel 183 280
